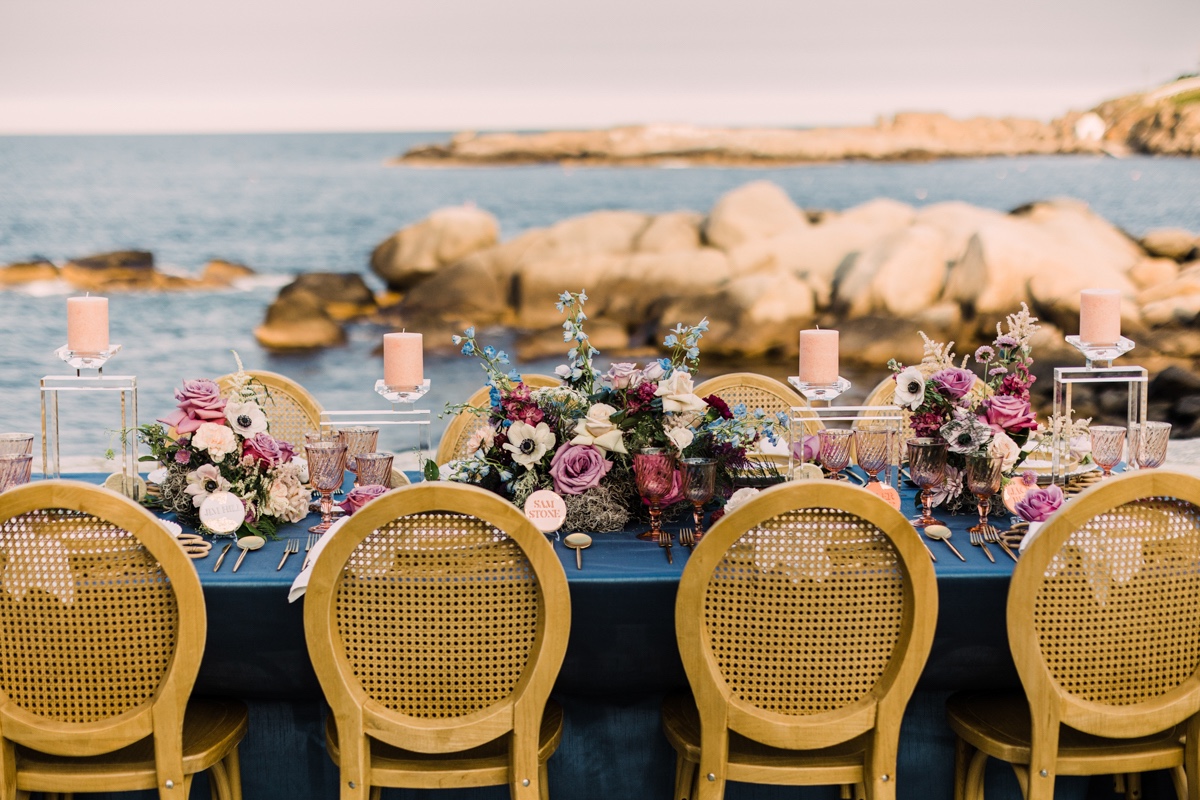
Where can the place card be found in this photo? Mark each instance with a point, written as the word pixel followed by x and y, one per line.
pixel 222 512
pixel 546 510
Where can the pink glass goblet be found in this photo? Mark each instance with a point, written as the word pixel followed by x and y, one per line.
pixel 1108 445
pixel 873 449
pixel 326 471
pixel 374 469
pixel 654 471
pixel 927 467
pixel 835 451
pixel 15 470
pixel 16 443
pixel 1152 444
pixel 983 478
pixel 358 439
pixel 699 485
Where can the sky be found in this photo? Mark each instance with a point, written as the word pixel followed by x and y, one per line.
pixel 157 66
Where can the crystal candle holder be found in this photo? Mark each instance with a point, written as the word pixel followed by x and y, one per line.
pixel 826 392
pixel 1101 355
pixel 80 360
pixel 401 394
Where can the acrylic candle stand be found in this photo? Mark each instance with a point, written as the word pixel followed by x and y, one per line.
pixel 402 413
pixel 125 386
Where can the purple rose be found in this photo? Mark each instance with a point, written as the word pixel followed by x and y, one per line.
pixel 266 450
pixel 807 449
pixel 1007 414
pixel 953 382
pixel 200 401
pixel 357 498
pixel 1038 504
pixel 620 375
pixel 576 468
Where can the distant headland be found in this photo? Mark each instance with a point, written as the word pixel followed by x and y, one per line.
pixel 1164 121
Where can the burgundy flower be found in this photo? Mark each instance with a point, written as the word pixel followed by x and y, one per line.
pixel 357 498
pixel 1007 414
pixel 953 382
pixel 927 423
pixel 266 450
pixel 720 405
pixel 576 468
pixel 1017 383
pixel 518 406
pixel 200 401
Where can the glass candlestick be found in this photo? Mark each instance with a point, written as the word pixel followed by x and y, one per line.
pixel 825 392
pixel 1101 355
pixel 402 394
pixel 79 360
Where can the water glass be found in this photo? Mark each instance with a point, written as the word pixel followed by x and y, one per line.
pixel 927 467
pixel 15 469
pixel 699 485
pixel 358 439
pixel 983 478
pixel 1152 444
pixel 873 449
pixel 835 451
pixel 374 469
pixel 654 471
pixel 326 471
pixel 1108 445
pixel 15 443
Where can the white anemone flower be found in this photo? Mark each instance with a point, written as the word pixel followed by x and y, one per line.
pixel 246 418
pixel 205 481
pixel 910 388
pixel 529 444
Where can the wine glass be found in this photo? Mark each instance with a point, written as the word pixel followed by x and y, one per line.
pixel 873 448
pixel 374 469
pixel 983 480
pixel 835 451
pixel 1108 444
pixel 927 467
pixel 16 443
pixel 699 483
pixel 15 469
pixel 1152 444
pixel 654 469
pixel 326 471
pixel 358 439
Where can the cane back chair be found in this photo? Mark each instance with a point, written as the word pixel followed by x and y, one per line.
pixel 437 619
pixel 102 628
pixel 465 424
pixel 1104 626
pixel 804 618
pixel 759 391
pixel 291 411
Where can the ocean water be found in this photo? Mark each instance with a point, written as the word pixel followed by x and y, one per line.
pixel 285 204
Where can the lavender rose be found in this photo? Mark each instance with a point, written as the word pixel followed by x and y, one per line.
pixel 267 450
pixel 953 382
pixel 576 468
pixel 200 401
pixel 1008 414
pixel 807 449
pixel 357 498
pixel 620 375
pixel 1038 504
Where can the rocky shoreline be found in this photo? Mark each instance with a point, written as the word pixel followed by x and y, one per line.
pixel 122 270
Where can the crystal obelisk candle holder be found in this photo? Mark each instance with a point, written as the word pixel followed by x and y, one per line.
pixel 824 392
pixel 1101 355
pixel 80 360
pixel 403 412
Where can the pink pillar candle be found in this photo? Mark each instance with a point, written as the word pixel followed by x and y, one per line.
pixel 403 359
pixel 87 324
pixel 819 357
pixel 1099 316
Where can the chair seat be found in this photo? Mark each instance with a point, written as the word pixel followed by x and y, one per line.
pixel 751 760
pixel 998 724
pixel 486 765
pixel 211 731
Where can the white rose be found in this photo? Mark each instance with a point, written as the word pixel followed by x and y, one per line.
pixel 1003 445
pixel 682 437
pixel 598 430
pixel 678 395
pixel 739 497
pixel 653 372
pixel 218 440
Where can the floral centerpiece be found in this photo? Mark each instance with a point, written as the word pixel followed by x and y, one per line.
pixel 975 415
pixel 577 439
pixel 222 443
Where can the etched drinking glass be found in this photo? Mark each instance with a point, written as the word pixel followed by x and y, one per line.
pixel 983 478
pixel 873 449
pixel 374 469
pixel 927 467
pixel 326 471
pixel 1108 445
pixel 699 484
pixel 1152 444
pixel 835 451
pixel 654 471
pixel 358 439
pixel 15 469
pixel 15 443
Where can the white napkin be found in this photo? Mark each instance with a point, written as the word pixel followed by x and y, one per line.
pixel 300 585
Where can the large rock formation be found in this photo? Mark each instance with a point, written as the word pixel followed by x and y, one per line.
pixel 444 237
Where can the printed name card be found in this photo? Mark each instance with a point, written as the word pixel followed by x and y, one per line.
pixel 546 510
pixel 222 512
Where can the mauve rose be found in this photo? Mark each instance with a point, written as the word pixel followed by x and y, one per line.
pixel 807 449
pixel 1008 414
pixel 620 375
pixel 200 401
pixel 357 498
pixel 576 468
pixel 1038 504
pixel 267 450
pixel 953 382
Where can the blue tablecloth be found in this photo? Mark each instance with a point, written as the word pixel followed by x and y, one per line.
pixel 621 659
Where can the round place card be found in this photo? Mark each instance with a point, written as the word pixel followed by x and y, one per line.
pixel 222 512
pixel 888 494
pixel 546 510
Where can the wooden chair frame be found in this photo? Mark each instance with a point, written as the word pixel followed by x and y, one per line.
pixel 464 423
pixel 276 385
pixel 879 712
pixel 161 717
pixel 360 720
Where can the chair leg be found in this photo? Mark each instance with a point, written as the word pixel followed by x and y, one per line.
pixel 376 792
pixel 962 760
pixel 1022 773
pixel 860 791
pixel 233 770
pixel 1179 779
pixel 543 781
pixel 973 785
pixel 1133 786
pixel 218 781
pixel 686 773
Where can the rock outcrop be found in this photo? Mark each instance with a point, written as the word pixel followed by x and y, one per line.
pixel 120 271
pixel 445 237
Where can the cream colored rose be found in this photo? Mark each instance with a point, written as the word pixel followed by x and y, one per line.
pixel 682 437
pixel 1003 445
pixel 678 394
pixel 598 430
pixel 218 440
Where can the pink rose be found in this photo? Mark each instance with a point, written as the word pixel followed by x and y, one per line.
pixel 357 498
pixel 266 450
pixel 1038 504
pixel 620 375
pixel 200 401
pixel 807 449
pixel 1007 414
pixel 576 468
pixel 953 382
